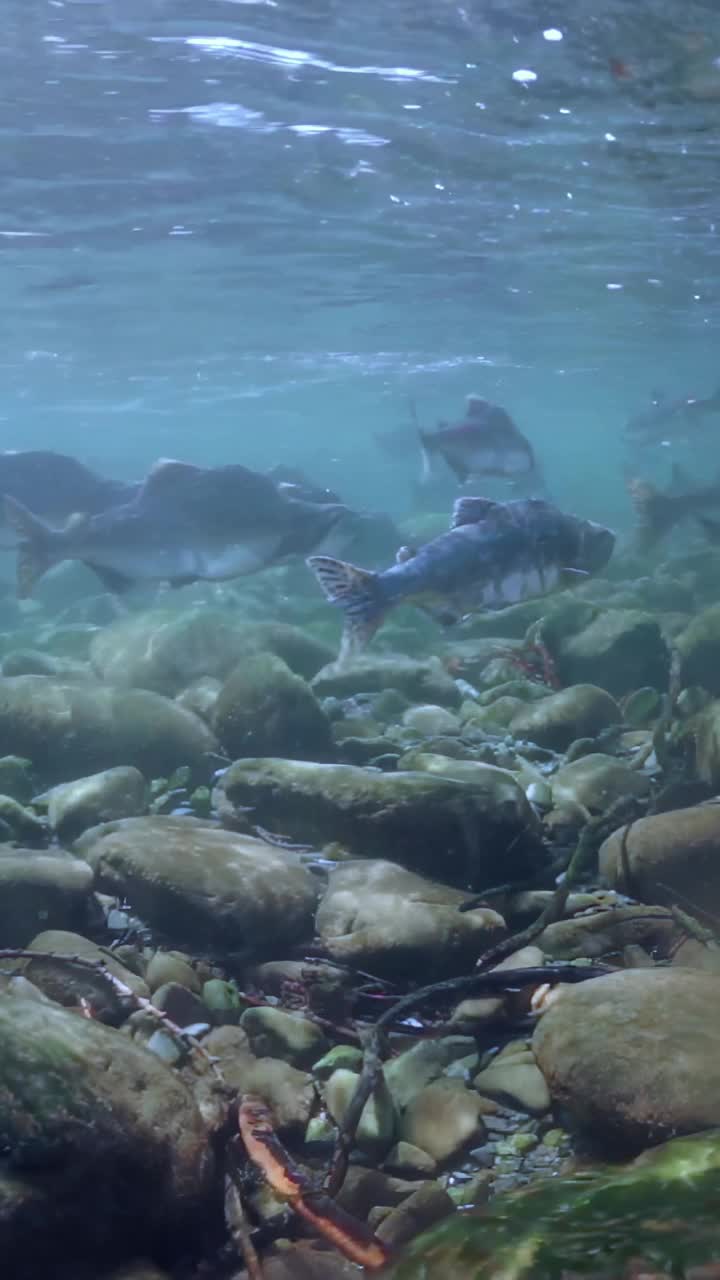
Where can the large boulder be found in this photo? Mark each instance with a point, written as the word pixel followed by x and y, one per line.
pixel 103 1145
pixel 419 681
pixel 201 884
pixel 69 730
pixel 40 890
pixel 699 649
pixel 166 651
pixel 667 858
pixel 620 650
pixel 378 916
pixel 634 1058
pixel 264 709
pixel 478 832
pixel 582 711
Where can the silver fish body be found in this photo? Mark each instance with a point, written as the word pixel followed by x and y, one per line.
pixel 185 524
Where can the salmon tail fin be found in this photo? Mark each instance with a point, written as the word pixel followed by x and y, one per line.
pixel 35 553
pixel 358 593
pixel 655 512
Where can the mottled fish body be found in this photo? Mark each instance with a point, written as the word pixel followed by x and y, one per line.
pixel 184 525
pixel 494 555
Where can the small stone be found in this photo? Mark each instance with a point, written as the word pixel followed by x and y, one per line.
pixel 427 1205
pixel 320 1131
pixel 222 998
pixel 182 1007
pixel 408 1073
pixel 169 966
pixel 554 1138
pixel 276 1034
pixel 518 1144
pixel 515 1080
pixel 429 721
pixel 101 797
pixel 344 1056
pixel 165 1046
pixel 408 1161
pixel 473 1192
pixel 442 1119
pixel 376 1129
pixel 16 778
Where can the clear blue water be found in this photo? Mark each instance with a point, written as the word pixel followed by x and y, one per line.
pixel 249 231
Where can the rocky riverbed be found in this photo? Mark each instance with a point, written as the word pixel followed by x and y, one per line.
pixel 224 858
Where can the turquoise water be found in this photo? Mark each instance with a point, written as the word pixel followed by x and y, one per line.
pixel 250 231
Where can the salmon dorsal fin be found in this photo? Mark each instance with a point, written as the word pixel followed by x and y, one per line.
pixel 167 475
pixel 476 406
pixel 472 511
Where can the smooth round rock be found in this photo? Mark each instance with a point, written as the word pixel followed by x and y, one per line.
pixel 634 1058
pixel 200 884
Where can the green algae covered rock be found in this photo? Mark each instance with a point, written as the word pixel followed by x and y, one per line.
pixel 101 797
pixel 699 649
pixel 264 709
pixel 69 730
pixel 469 833
pixel 581 711
pixel 166 650
pixel 620 650
pixel 376 915
pixel 633 1058
pixel 94 1130
pixel 420 681
pixel 201 884
pixel 657 1216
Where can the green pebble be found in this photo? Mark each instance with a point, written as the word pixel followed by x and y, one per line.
pixel 345 1056
pixel 180 778
pixel 320 1129
pixel 200 801
pixel 554 1138
pixel 221 996
pixel 158 787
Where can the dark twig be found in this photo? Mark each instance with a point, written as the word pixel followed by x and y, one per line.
pixel 237 1223
pixel 100 969
pixel 482 984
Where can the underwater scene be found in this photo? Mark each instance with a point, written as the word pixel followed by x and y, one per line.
pixel 360 640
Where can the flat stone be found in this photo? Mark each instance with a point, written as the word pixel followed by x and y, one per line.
pixel 442 1119
pixel 515 1080
pixel 377 1126
pixel 416 819
pixel 377 916
pixel 203 885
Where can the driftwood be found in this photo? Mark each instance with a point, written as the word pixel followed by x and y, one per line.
pixel 265 1151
